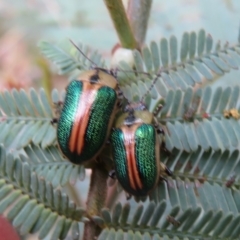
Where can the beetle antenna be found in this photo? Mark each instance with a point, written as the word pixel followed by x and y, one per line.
pixel 151 87
pixel 128 102
pixel 75 45
pixel 119 69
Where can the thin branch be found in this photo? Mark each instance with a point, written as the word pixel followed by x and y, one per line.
pixel 138 14
pixel 121 23
pixel 96 200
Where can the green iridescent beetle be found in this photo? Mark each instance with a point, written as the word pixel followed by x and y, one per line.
pixel 136 151
pixel 87 114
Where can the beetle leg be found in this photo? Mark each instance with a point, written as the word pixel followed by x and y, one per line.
pixel 163 148
pixel 57 111
pixel 119 93
pixel 54 120
pixel 112 174
pixel 161 178
pixel 159 129
pixel 112 178
pixel 119 104
pixel 58 107
pixel 164 171
pixel 168 171
pixel 113 72
pixel 128 196
pixel 58 104
pixel 120 98
pixel 157 110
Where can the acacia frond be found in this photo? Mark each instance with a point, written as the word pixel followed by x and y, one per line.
pixel 192 120
pixel 200 201
pixel 34 204
pixel 194 63
pixel 202 133
pixel 164 219
pixel 68 58
pixel 218 167
pixel 198 118
pixel 26 119
pixel 49 164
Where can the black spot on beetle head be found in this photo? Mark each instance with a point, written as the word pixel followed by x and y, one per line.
pixel 94 78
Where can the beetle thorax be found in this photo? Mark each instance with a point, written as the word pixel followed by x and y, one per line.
pixel 98 76
pixel 132 119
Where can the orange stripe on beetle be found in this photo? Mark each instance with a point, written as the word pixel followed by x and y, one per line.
pixel 76 143
pixel 87 115
pixel 133 173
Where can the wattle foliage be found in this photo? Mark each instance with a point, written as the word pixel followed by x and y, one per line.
pixel 201 200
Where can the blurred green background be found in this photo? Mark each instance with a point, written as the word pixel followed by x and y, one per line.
pixel 89 22
pixel 24 22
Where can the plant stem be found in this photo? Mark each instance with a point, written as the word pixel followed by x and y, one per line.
pixel 96 200
pixel 121 23
pixel 138 15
